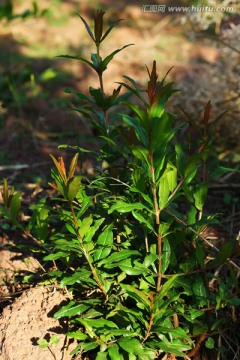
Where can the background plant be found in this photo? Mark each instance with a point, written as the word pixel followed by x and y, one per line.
pixel 127 244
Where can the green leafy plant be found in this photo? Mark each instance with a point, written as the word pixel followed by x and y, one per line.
pixel 43 344
pixel 128 243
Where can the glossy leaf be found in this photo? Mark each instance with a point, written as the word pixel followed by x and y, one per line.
pixel 166 255
pixel 71 309
pixel 78 335
pixel 200 195
pixel 133 346
pixel 123 207
pixel 164 290
pixel 113 351
pixel 73 187
pixel 104 242
pixel 119 256
pixel 138 295
pixel 15 205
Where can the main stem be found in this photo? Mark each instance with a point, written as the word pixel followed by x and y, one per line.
pixel 102 88
pixel 157 219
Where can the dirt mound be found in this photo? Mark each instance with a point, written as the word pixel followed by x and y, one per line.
pixel 28 319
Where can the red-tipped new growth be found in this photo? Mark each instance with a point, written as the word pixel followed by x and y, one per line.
pixel 98 26
pixel 152 83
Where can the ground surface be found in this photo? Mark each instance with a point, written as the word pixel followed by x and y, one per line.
pixel 35 119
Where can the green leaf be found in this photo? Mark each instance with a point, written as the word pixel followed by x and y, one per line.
pixel 113 351
pixel 199 288
pixel 119 256
pixel 180 159
pixel 164 290
pixel 100 323
pixel 113 24
pixel 87 201
pixel 164 192
pixel 77 335
pixel 210 343
pixel 98 97
pixel 123 207
pixel 104 244
pixel 42 343
pixel 87 27
pixel 200 254
pixel 128 268
pixel 102 356
pixel 105 62
pixel 89 235
pixel 70 279
pixel 192 166
pixel 86 224
pixel 56 256
pixel 224 253
pixel 71 309
pixel 200 195
pixel 15 205
pixel 136 294
pixel 54 340
pixel 192 213
pixel 39 221
pixel 176 346
pixel 78 58
pixel 81 96
pixel 141 154
pixel 218 172
pixel 166 255
pixel 143 220
pixel 140 131
pixel 132 346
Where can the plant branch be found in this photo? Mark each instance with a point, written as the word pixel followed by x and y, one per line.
pixel 85 253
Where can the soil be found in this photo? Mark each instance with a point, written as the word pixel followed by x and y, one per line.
pixel 29 132
pixel 29 319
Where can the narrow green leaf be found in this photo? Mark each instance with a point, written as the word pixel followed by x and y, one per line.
pixel 71 309
pixel 165 289
pixel 78 58
pixel 141 154
pixel 200 195
pixel 73 166
pixel 166 255
pixel 200 254
pixel 86 203
pixel 113 351
pixel 123 207
pixel 77 335
pixel 73 187
pixel 199 288
pixel 104 244
pixel 87 27
pixel 132 346
pixel 105 62
pixel 56 256
pixel 119 256
pixel 84 228
pixel 164 192
pixel 15 205
pixel 139 296
pixel 143 220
